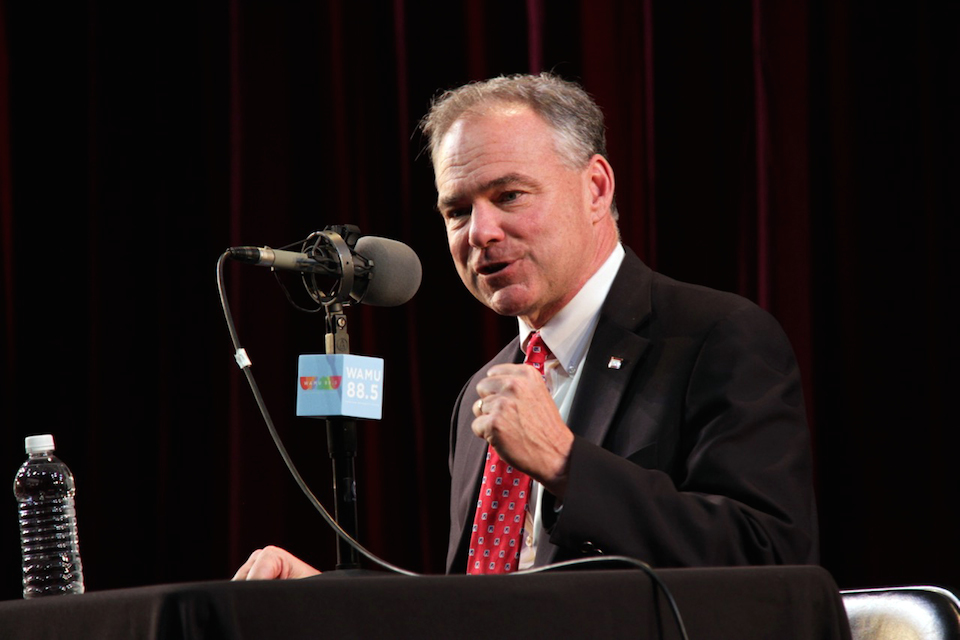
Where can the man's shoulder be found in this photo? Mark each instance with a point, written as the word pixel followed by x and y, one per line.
pixel 687 297
pixel 677 307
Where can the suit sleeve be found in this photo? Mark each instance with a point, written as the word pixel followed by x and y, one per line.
pixel 737 487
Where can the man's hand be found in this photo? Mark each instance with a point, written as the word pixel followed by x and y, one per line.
pixel 273 563
pixel 519 418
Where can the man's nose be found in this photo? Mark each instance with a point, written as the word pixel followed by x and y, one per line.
pixel 486 224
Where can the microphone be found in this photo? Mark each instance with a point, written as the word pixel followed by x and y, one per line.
pixel 277 258
pixel 383 272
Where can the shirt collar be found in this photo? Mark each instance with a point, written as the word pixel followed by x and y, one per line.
pixel 568 333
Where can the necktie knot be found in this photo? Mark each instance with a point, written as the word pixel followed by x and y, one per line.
pixel 537 352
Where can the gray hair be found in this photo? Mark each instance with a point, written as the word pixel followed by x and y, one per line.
pixel 575 118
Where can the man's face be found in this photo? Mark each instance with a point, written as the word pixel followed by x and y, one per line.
pixel 518 219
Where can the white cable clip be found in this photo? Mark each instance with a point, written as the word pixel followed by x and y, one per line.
pixel 243 361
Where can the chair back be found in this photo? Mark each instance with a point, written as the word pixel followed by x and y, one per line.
pixel 903 613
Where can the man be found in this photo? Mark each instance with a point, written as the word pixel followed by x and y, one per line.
pixel 671 426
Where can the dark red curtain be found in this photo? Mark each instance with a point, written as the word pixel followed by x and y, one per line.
pixel 803 154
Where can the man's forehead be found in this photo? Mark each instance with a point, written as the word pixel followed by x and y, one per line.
pixel 469 134
pixel 491 124
pixel 495 146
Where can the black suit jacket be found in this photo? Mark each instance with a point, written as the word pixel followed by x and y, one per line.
pixel 694 452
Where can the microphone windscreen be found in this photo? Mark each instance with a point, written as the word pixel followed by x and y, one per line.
pixel 396 271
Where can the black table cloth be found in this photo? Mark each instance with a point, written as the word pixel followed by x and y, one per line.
pixel 737 603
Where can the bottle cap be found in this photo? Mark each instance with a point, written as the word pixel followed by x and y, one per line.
pixel 36 444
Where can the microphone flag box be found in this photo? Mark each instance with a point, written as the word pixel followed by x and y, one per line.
pixel 340 386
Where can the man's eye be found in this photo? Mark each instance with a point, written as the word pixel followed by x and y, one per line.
pixel 509 196
pixel 458 213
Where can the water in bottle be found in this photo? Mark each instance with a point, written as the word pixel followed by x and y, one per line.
pixel 45 491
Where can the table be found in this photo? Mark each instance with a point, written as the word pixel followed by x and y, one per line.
pixel 737 603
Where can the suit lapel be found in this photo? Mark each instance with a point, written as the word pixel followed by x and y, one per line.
pixel 614 353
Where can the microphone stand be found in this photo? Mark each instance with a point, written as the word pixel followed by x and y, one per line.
pixel 342 445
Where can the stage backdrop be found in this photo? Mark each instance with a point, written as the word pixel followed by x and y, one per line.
pixel 803 154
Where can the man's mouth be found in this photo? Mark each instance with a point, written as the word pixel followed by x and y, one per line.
pixel 491 268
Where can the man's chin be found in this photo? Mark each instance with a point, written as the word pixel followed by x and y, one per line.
pixel 507 303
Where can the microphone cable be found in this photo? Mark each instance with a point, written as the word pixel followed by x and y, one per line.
pixel 245 364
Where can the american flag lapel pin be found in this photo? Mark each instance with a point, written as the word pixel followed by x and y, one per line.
pixel 615 362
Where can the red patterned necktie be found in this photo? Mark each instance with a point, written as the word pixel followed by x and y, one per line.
pixel 501 506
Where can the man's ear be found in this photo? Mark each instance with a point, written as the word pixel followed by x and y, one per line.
pixel 600 185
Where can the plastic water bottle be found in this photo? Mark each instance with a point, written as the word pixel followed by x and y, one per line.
pixel 45 490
